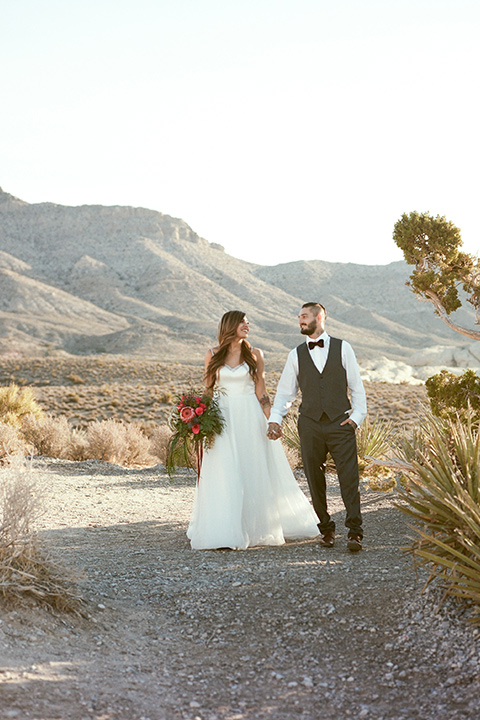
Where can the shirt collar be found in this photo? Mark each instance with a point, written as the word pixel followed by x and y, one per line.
pixel 324 336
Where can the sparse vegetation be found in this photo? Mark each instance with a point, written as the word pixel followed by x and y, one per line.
pixel 118 442
pixel 374 439
pixel 49 435
pixel 12 443
pixel 110 394
pixel 16 403
pixel 26 570
pixel 443 499
pixel 76 379
pixel 159 442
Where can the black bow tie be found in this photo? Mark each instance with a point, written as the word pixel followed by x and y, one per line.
pixel 319 343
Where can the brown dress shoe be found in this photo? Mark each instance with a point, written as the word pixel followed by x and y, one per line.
pixel 328 540
pixel 354 543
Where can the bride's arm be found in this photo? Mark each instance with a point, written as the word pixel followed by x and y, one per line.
pixel 208 356
pixel 260 387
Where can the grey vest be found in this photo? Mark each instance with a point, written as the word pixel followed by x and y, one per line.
pixel 323 392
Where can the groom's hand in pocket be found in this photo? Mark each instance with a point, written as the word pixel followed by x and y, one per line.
pixel 274 431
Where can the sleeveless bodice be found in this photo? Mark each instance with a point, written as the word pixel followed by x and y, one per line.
pixel 235 381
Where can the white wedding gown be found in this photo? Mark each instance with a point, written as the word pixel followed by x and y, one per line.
pixel 247 494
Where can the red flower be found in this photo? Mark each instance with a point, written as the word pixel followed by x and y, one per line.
pixel 187 414
pixel 199 410
pixel 195 429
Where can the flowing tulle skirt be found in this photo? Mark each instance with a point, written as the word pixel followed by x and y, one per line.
pixel 247 494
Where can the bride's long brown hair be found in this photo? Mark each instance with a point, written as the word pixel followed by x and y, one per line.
pixel 227 332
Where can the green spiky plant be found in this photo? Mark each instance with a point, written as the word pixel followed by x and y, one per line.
pixel 443 500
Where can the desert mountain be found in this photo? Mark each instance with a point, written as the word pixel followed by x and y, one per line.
pixel 95 279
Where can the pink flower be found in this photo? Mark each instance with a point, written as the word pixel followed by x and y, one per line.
pixel 187 413
pixel 195 429
pixel 199 410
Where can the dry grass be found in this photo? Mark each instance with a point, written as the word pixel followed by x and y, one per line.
pixel 49 435
pixel 12 443
pixel 109 440
pixel 159 441
pixel 26 570
pixel 118 442
pixel 16 403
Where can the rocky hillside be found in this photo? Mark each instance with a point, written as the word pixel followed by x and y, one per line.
pixel 95 279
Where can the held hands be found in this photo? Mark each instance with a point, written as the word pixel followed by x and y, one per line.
pixel 274 431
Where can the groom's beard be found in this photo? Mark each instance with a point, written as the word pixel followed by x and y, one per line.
pixel 310 329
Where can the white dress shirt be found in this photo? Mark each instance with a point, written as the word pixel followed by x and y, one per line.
pixel 287 388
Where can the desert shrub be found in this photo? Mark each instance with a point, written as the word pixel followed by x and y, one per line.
pixel 72 397
pixel 50 436
pixel 159 442
pixel 117 442
pixel 78 446
pixel 76 379
pixel 451 395
pixel 26 570
pixel 166 397
pixel 16 403
pixel 12 443
pixel 443 499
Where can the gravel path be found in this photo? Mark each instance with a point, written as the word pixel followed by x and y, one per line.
pixel 292 632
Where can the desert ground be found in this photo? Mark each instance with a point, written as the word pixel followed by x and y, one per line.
pixel 167 633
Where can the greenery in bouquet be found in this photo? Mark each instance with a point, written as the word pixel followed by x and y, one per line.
pixel 195 421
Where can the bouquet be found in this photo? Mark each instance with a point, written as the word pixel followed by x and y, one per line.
pixel 195 421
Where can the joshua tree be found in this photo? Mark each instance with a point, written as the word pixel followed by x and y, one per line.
pixel 432 245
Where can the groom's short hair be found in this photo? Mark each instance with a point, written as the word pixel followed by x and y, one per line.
pixel 316 307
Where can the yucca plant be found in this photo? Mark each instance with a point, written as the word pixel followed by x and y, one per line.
pixel 411 446
pixel 290 436
pixel 374 440
pixel 443 500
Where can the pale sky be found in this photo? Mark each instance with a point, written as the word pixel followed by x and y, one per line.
pixel 282 129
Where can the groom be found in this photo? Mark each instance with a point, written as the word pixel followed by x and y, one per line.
pixel 324 368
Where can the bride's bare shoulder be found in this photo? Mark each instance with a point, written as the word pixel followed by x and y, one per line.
pixel 211 352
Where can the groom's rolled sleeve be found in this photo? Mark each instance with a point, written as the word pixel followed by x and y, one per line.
pixel 287 389
pixel 355 385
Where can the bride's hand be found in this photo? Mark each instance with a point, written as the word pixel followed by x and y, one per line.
pixel 274 431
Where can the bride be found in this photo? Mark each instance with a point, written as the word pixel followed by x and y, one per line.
pixel 247 494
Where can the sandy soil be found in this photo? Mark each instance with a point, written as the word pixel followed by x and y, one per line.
pixel 296 631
